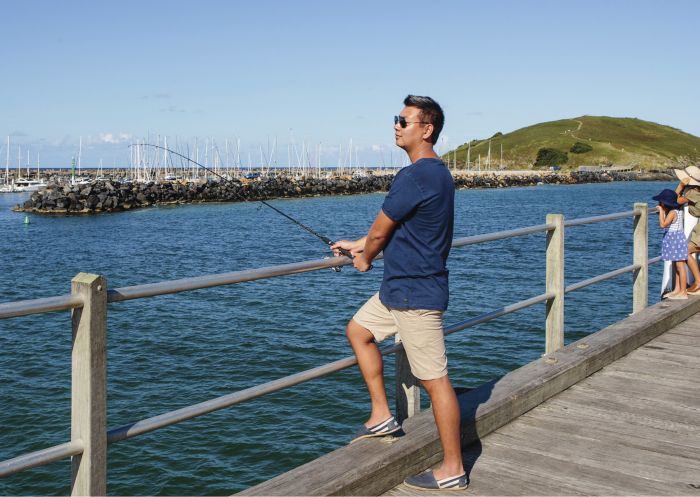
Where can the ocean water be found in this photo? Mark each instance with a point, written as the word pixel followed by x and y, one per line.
pixel 173 351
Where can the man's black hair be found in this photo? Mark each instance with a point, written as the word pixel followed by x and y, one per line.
pixel 430 112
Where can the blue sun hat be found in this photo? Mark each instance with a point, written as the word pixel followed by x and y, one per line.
pixel 668 198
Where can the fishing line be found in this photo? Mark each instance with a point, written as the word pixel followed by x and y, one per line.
pixel 324 239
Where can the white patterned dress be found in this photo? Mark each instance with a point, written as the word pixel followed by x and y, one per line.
pixel 674 246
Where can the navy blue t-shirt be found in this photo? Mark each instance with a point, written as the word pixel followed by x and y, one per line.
pixel 421 201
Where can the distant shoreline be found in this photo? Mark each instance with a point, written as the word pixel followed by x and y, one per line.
pixel 108 196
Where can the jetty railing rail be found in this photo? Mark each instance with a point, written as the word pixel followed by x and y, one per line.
pixel 89 298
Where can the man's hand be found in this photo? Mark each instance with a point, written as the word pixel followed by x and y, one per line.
pixel 353 246
pixel 685 181
pixel 361 263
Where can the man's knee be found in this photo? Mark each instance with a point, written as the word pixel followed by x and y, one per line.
pixel 436 385
pixel 358 333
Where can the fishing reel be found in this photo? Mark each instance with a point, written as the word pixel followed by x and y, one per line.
pixel 335 269
pixel 346 253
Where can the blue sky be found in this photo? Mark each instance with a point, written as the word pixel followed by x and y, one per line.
pixel 322 72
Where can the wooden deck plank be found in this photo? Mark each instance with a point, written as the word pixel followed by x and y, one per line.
pixel 690 327
pixel 648 438
pixel 586 421
pixel 689 351
pixel 575 476
pixel 632 372
pixel 633 410
pixel 602 453
pixel 651 392
pixel 684 361
pixel 676 338
pixel 641 366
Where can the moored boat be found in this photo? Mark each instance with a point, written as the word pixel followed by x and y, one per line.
pixel 29 185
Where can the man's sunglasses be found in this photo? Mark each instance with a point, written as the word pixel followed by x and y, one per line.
pixel 401 121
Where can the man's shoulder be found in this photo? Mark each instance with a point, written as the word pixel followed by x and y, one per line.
pixel 428 162
pixel 692 194
pixel 432 171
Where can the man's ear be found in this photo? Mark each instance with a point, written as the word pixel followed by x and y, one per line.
pixel 428 132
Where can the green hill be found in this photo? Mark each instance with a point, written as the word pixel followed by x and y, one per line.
pixel 612 141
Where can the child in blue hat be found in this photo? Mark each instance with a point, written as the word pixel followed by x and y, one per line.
pixel 674 245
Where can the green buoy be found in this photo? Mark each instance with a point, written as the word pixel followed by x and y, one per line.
pixel 26 220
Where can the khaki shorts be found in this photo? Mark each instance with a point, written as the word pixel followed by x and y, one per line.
pixel 420 331
pixel 695 235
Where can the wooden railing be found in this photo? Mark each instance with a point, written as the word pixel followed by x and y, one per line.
pixel 89 299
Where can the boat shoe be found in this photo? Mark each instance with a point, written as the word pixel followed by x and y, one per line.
pixel 386 427
pixel 426 481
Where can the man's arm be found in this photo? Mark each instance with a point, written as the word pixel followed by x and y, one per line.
pixel 353 246
pixel 377 238
pixel 679 189
pixel 681 185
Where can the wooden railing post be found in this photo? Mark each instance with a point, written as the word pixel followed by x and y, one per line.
pixel 640 290
pixel 89 386
pixel 555 284
pixel 407 387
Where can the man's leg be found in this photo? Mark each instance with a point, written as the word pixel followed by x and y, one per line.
pixel 447 419
pixel 693 264
pixel 372 367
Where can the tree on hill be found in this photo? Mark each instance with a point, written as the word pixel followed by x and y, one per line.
pixel 551 157
pixel 580 148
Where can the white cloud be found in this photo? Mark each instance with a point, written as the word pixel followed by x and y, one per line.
pixel 115 138
pixel 376 148
pixel 174 108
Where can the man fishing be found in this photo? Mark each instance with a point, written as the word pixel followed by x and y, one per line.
pixel 414 229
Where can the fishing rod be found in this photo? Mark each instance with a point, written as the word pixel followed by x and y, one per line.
pixel 324 239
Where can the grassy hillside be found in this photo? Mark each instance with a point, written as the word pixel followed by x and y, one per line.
pixel 618 141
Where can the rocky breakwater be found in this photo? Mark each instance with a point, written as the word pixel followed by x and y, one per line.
pixel 505 180
pixel 107 196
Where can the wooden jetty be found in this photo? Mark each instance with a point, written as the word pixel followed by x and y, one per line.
pixel 616 413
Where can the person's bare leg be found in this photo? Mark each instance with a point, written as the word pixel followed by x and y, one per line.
pixel 693 264
pixel 447 419
pixel 676 281
pixel 372 368
pixel 683 279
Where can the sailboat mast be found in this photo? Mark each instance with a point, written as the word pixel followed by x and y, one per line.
pixel 469 151
pixel 488 159
pixel 7 162
pixel 80 153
